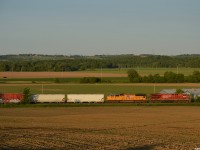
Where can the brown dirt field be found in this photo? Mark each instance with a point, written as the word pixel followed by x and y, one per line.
pixel 57 74
pixel 108 128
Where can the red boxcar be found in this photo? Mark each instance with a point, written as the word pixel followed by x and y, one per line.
pixel 170 98
pixel 12 97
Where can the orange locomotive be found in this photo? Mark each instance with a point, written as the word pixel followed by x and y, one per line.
pixel 142 98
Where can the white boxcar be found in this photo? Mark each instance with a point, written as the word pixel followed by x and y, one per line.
pixel 85 98
pixel 48 98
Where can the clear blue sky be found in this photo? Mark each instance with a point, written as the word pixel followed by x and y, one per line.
pixel 88 27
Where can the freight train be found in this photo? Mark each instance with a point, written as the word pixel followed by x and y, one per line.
pixel 97 98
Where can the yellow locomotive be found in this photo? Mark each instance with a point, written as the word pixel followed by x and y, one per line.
pixel 120 98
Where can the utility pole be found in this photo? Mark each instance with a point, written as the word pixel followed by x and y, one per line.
pixel 42 89
pixel 101 73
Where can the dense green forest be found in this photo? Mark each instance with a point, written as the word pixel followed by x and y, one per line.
pixel 33 62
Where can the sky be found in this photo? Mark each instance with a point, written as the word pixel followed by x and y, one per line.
pixel 97 27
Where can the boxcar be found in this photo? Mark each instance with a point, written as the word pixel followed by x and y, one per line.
pixel 169 98
pixel 12 97
pixel 127 98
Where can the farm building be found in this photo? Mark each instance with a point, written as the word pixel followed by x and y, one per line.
pixel 168 91
pixel 194 92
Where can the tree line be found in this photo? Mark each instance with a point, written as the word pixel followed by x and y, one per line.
pixel 169 77
pixel 75 63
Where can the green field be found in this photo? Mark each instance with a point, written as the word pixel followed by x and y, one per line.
pixel 87 88
pixel 108 86
pixel 59 80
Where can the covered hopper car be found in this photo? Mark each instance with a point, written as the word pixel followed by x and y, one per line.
pixel 48 98
pixel 166 98
pixel 141 98
pixel 85 98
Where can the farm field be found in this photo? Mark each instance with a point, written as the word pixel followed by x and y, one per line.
pixel 124 128
pixel 94 88
pixel 96 73
pixel 77 74
pixel 146 71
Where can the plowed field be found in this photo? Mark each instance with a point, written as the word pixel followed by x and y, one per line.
pixel 96 128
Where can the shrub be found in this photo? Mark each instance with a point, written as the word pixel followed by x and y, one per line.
pixel 90 80
pixel 179 91
pixel 197 99
pixel 27 96
pixel 133 76
pixel 57 80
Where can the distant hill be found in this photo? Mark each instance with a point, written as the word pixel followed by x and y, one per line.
pixel 32 57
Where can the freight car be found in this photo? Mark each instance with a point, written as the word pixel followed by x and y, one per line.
pixel 11 98
pixel 1 99
pixel 124 98
pixel 169 98
pixel 85 98
pixel 48 98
